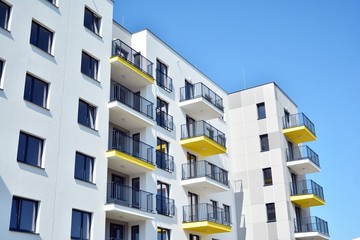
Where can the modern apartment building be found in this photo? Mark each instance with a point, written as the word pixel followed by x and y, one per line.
pixel 107 134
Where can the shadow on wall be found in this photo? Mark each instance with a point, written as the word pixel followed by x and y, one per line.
pixel 240 218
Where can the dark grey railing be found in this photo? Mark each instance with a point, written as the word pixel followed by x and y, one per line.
pixel 302 152
pixel 124 51
pixel 201 90
pixel 206 212
pixel 126 144
pixel 204 169
pixel 165 206
pixel 202 128
pixel 164 81
pixel 129 196
pixel 296 120
pixel 164 161
pixel 307 187
pixel 311 224
pixel 132 100
pixel 164 119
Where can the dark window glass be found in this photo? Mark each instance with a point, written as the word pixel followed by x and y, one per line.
pixel 23 215
pixel 89 66
pixel 30 149
pixel 270 211
pixel 92 21
pixel 261 110
pixel 163 234
pixel 194 237
pixel 227 214
pixel 52 1
pixel 1 68
pixel 4 15
pixel 267 176
pixel 36 91
pixel 264 142
pixel 84 166
pixel 41 37
pixel 80 225
pixel 86 114
pixel 135 232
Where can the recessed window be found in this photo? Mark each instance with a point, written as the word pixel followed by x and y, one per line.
pixel 36 91
pixel 80 225
pixel 52 1
pixel 261 110
pixel 2 63
pixel 30 149
pixel 89 66
pixel 194 237
pixel 4 15
pixel 84 166
pixel 163 234
pixel 92 21
pixel 41 37
pixel 267 176
pixel 264 142
pixel 86 114
pixel 23 215
pixel 270 211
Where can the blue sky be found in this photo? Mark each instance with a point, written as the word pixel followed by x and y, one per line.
pixel 310 48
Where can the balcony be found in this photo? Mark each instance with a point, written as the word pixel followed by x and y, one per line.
pixel 298 128
pixel 307 193
pixel 130 110
pixel 128 155
pixel 128 204
pixel 202 176
pixel 199 100
pixel 165 206
pixel 164 161
pixel 302 160
pixel 164 119
pixel 129 67
pixel 164 81
pixel 203 138
pixel 311 228
pixel 206 219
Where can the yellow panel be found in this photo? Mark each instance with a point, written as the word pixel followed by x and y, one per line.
pixel 131 159
pixel 132 67
pixel 206 227
pixel 299 134
pixel 307 200
pixel 203 146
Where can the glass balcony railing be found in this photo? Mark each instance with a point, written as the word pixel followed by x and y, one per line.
pixel 164 161
pixel 307 187
pixel 204 169
pixel 165 206
pixel 296 120
pixel 164 119
pixel 164 81
pixel 206 212
pixel 302 152
pixel 311 224
pixel 200 90
pixel 124 51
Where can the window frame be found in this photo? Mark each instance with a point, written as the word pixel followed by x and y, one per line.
pixel 34 80
pixel 194 237
pixel 167 232
pixel 82 214
pixel 34 40
pixel 18 214
pixel 92 70
pixel 41 150
pixel 7 15
pixel 267 175
pixel 264 147
pixel 270 212
pixel 85 159
pixel 261 110
pixel 90 121
pixel 95 20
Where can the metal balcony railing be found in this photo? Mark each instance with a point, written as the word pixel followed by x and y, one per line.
pixel 311 224
pixel 164 161
pixel 201 90
pixel 124 51
pixel 306 187
pixel 302 152
pixel 125 195
pixel 126 144
pixel 202 128
pixel 165 206
pixel 296 120
pixel 164 81
pixel 206 212
pixel 205 169
pixel 164 119
pixel 132 100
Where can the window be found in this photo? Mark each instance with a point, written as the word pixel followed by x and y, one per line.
pixel 92 21
pixel 227 215
pixel 4 15
pixel 135 232
pixel 163 234
pixel 23 215
pixel 36 91
pixel 270 211
pixel 1 69
pixel 214 214
pixel 41 37
pixel 86 114
pixel 267 176
pixel 261 110
pixel 84 166
pixel 30 149
pixel 194 237
pixel 89 66
pixel 80 225
pixel 52 1
pixel 264 142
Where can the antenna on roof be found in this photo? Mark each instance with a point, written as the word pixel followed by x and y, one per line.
pixel 244 77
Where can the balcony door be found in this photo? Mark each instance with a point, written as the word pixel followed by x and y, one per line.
pixel 162 72
pixel 298 219
pixel 161 157
pixel 294 184
pixel 137 101
pixel 135 232
pixel 162 109
pixel 189 90
pixel 119 192
pixel 117 231
pixel 286 119
pixel 192 165
pixel 136 192
pixel 290 151
pixel 163 191
pixel 136 144
pixel 119 141
pixel 137 60
pixel 214 215
pixel 190 127
pixel 194 207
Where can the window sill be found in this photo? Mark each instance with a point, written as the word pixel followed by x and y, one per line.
pixel 23 231
pixel 264 150
pixel 51 4
pixel 5 29
pixel 85 181
pixel 91 78
pixel 271 221
pixel 28 164
pixel 34 104
pixel 87 127
pixel 93 33
pixel 267 185
pixel 41 51
pixel 261 118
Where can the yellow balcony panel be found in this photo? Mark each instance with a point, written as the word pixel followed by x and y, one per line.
pixel 126 163
pixel 307 200
pixel 299 134
pixel 206 227
pixel 203 146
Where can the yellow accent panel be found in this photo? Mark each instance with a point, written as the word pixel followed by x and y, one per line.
pixel 307 200
pixel 132 67
pixel 203 146
pixel 299 134
pixel 131 159
pixel 206 227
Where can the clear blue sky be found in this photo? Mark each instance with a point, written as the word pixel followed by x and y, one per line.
pixel 310 48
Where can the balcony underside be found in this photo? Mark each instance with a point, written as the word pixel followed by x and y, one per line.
pixel 311 236
pixel 307 200
pixel 303 166
pixel 201 108
pixel 299 134
pixel 203 146
pixel 126 163
pixel 204 185
pixel 206 227
pixel 129 75
pixel 126 214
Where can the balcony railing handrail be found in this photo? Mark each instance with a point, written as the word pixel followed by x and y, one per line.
pixel 201 90
pixel 296 120
pixel 164 161
pixel 164 119
pixel 203 168
pixel 307 187
pixel 312 224
pixel 164 81
pixel 202 128
pixel 205 212
pixel 132 100
pixel 302 152
pixel 126 144
pixel 165 205
pixel 121 49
